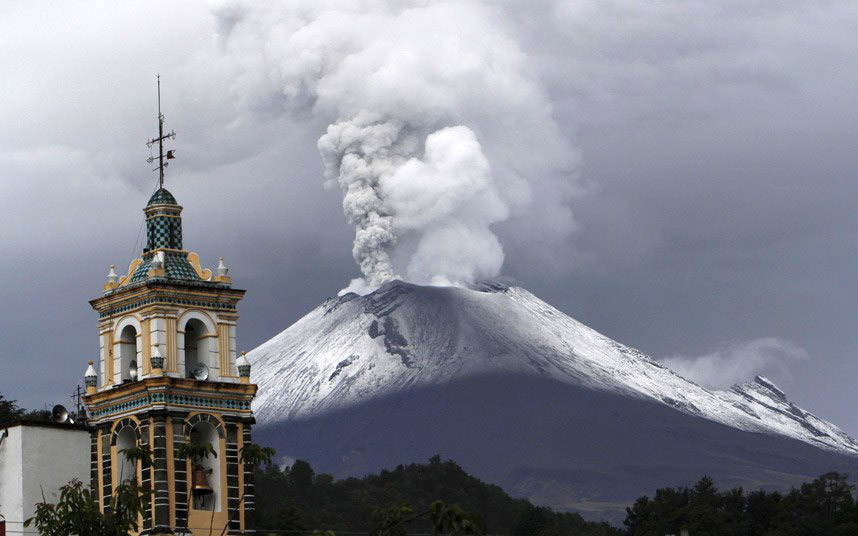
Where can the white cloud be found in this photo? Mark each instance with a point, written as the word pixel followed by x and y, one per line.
pixel 737 363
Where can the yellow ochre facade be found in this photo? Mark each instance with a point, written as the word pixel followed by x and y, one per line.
pixel 168 374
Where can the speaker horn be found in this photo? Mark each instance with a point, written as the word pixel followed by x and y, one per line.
pixel 61 415
pixel 200 372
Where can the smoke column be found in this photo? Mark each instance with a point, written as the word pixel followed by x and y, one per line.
pixel 440 131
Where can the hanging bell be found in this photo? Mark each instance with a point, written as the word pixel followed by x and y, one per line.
pixel 201 483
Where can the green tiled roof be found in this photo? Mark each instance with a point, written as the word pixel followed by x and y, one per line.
pixel 176 265
pixel 162 197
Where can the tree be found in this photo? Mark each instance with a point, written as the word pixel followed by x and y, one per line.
pixel 822 507
pixel 9 410
pixel 343 505
pixel 78 513
pixel 301 474
pixel 136 455
pixel 446 520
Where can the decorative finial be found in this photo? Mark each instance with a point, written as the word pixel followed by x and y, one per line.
pixel 222 270
pixel 90 378
pixel 112 276
pixel 158 261
pixel 243 368
pixel 112 279
pixel 156 267
pixel 160 141
pixel 222 273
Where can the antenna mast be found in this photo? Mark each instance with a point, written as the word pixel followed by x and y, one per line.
pixel 160 141
pixel 76 399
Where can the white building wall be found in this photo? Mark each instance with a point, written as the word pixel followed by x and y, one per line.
pixel 35 458
pixel 11 479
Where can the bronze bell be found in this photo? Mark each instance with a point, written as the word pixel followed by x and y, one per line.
pixel 201 483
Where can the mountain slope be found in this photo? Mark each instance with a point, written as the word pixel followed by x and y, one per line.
pixel 521 395
pixel 356 348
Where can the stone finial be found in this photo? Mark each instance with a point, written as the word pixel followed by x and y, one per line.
pixel 156 267
pixel 90 378
pixel 222 273
pixel 243 368
pixel 157 361
pixel 112 279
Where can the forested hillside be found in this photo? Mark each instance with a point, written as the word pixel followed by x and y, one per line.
pixel 823 507
pixel 296 498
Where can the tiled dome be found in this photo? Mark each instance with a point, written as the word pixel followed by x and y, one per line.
pixel 162 197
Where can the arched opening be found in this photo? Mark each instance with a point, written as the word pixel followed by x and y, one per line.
pixel 125 470
pixel 202 433
pixel 128 352
pixel 196 345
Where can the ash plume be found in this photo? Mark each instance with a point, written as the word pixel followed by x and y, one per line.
pixel 440 134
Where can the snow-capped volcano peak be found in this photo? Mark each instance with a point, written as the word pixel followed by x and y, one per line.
pixel 354 349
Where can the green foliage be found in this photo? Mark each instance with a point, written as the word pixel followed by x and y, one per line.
pixel 255 455
pixel 439 495
pixel 301 475
pixel 77 513
pixel 454 521
pixel 196 452
pixel 391 521
pixel 446 520
pixel 542 521
pixel 822 507
pixel 9 410
pixel 137 454
pixel 38 415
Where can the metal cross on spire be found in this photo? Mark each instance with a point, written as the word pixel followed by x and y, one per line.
pixel 160 141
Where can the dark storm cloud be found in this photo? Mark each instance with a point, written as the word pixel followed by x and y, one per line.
pixel 717 142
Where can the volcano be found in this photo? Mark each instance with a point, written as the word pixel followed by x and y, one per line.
pixel 523 396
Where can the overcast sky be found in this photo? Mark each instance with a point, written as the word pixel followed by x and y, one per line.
pixel 713 192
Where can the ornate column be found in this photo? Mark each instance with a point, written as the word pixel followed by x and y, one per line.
pixel 106 469
pixel 249 497
pixel 146 473
pixel 232 491
pixel 161 485
pixel 180 473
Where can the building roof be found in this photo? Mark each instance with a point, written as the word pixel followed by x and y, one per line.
pixel 162 197
pixel 176 266
pixel 42 424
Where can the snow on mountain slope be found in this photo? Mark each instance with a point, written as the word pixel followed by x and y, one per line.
pixel 355 349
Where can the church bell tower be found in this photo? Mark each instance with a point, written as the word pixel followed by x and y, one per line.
pixel 168 375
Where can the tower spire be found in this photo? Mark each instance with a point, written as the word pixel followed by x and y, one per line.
pixel 160 141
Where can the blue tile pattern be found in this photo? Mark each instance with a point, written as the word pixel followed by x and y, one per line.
pixel 183 400
pixel 176 301
pixel 163 223
pixel 164 230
